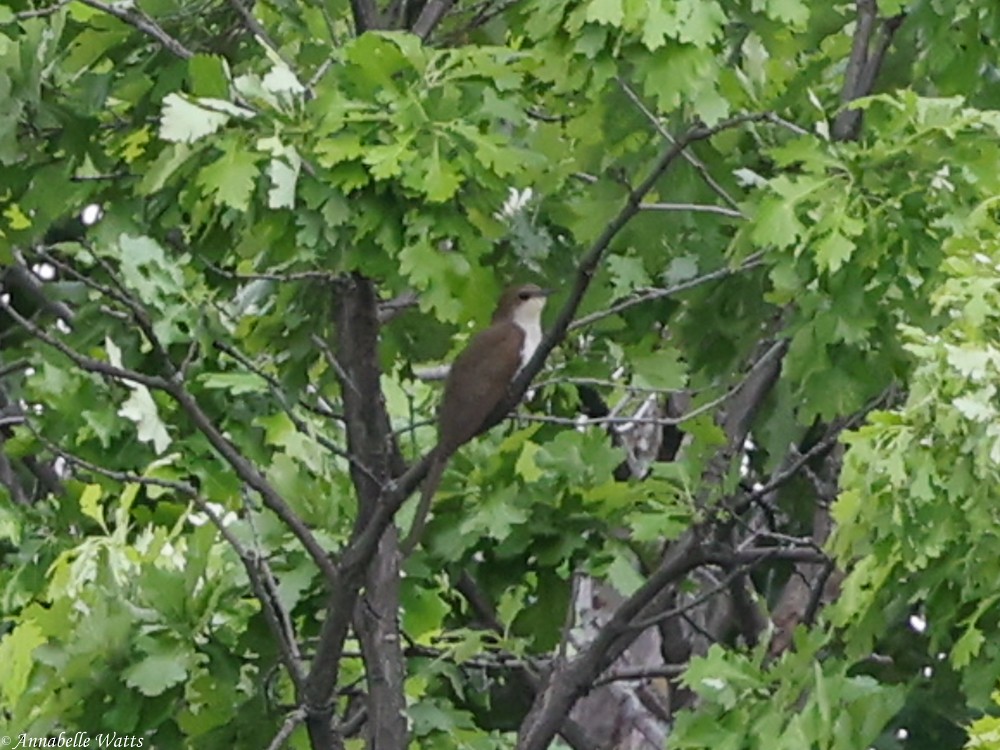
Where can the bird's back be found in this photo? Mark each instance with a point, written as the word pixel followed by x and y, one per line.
pixel 477 382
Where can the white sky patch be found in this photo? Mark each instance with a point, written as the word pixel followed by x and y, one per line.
pixel 200 519
pixel 918 623
pixel 44 271
pixel 91 214
pixel 516 201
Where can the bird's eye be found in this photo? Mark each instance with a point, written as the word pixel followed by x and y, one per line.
pixel 524 295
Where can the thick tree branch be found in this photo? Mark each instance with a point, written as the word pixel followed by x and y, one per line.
pixel 574 735
pixel 863 66
pixel 366 16
pixel 369 437
pixel 568 683
pixel 431 16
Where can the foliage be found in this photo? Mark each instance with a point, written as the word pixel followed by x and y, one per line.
pixel 189 385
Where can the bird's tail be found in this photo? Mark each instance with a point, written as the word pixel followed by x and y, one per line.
pixel 431 482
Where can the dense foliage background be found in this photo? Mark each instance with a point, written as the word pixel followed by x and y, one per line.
pixel 751 498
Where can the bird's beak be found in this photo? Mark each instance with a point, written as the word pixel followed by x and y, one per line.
pixel 544 292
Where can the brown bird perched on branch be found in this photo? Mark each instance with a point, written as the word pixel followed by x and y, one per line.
pixel 477 382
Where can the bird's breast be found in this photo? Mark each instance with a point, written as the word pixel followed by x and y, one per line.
pixel 532 338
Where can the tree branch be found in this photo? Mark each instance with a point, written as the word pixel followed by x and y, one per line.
pixel 258 571
pixel 566 684
pixel 753 261
pixel 88 364
pixel 254 27
pixel 140 21
pixel 590 260
pixel 249 474
pixel 690 158
pixel 366 16
pixel 694 208
pixel 430 17
pixel 863 66
pixel 293 719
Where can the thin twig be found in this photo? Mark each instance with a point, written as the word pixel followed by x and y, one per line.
pixel 661 421
pixel 140 21
pixel 278 392
pixel 84 362
pixel 258 571
pixel 753 261
pixel 691 159
pixel 641 673
pixel 257 29
pixel 24 15
pixel 292 721
pixel 821 446
pixel 693 207
pixel 15 366
pixel 290 276
pixel 121 295
pixel 656 619
pixel 331 360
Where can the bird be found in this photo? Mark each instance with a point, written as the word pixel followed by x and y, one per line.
pixel 478 381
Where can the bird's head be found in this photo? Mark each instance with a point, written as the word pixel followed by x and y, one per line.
pixel 521 301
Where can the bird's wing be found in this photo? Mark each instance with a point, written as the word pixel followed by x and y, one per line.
pixel 485 369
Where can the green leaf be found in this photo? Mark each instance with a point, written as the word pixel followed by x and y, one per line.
pixel 776 223
pixel 157 672
pixel 424 612
pixel 90 504
pixel 231 179
pixel 284 175
pixel 623 576
pixel 608 12
pixel 662 369
pixel 442 181
pixel 661 23
pixel 141 409
pixel 335 149
pixel 17 650
pixel 701 21
pixel 526 466
pixel 795 13
pixel 186 122
pixel 967 647
pixel 209 76
pixel 237 383
pixel 832 251
pixel 387 161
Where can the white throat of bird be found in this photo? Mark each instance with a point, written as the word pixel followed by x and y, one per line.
pixel 528 317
